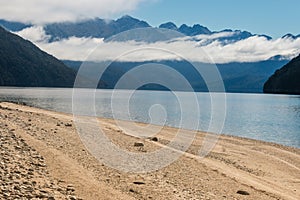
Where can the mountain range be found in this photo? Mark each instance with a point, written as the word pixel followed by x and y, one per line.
pixel 237 76
pixel 102 28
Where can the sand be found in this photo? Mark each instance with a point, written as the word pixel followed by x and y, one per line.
pixel 47 144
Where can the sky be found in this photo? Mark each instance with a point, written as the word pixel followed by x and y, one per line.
pixel 271 17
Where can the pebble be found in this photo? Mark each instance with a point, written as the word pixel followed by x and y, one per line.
pixel 242 192
pixel 21 166
pixel 68 124
pixel 154 139
pixel 138 144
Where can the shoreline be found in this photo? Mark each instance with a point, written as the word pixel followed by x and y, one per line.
pixel 236 165
pixel 219 135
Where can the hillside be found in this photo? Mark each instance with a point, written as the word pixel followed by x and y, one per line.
pixel 237 77
pixel 24 64
pixel 285 80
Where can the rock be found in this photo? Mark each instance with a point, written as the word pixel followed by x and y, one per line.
pixel 72 198
pixel 44 191
pixel 242 192
pixel 41 165
pixel 138 144
pixel 70 189
pixel 131 190
pixel 155 139
pixel 68 124
pixel 138 183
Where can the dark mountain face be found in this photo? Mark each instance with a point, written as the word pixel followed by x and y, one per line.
pixel 24 64
pixel 237 77
pixel 285 80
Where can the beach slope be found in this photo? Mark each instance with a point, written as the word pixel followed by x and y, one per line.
pixel 43 157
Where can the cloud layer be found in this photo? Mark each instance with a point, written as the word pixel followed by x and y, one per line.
pixel 201 48
pixel 47 11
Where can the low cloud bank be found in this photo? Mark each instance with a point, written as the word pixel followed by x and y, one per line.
pixel 201 48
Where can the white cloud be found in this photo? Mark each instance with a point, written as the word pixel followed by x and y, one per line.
pixel 45 11
pixel 35 34
pixel 215 35
pixel 72 49
pixel 256 48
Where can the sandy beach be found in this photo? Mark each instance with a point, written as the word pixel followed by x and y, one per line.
pixel 42 157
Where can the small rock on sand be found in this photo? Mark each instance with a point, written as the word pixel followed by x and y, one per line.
pixel 155 139
pixel 242 192
pixel 138 144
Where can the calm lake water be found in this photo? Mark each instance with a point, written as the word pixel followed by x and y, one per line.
pixel 273 118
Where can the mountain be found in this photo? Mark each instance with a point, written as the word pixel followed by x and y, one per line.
pixel 237 77
pixel 291 36
pixel 24 64
pixel 99 28
pixel 169 25
pixel 285 80
pixel 192 31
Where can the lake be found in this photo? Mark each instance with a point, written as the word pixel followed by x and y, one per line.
pixel 273 118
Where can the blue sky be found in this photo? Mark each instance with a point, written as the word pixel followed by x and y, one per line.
pixel 271 17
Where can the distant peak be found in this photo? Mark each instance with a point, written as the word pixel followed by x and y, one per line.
pixel 289 35
pixel 196 29
pixel 127 17
pixel 169 25
pixel 279 58
pixel 184 26
pixel 198 26
pixel 227 30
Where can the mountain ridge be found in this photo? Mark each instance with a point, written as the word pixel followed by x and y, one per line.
pixel 104 28
pixel 237 77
